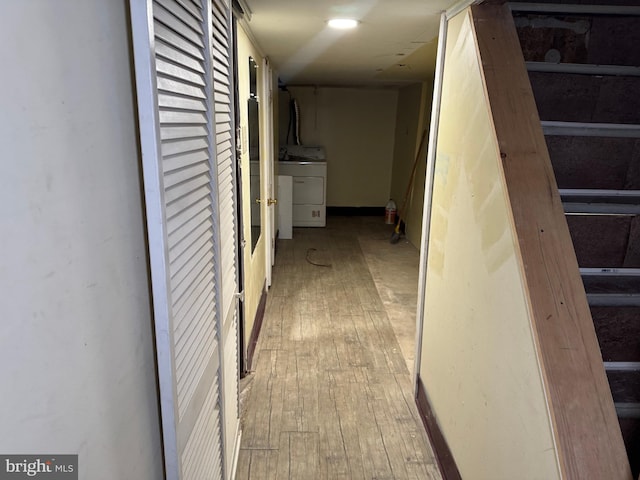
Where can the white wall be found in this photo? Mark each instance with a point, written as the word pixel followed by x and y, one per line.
pixel 76 351
pixel 356 126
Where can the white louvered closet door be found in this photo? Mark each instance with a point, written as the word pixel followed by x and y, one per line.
pixel 187 188
pixel 221 45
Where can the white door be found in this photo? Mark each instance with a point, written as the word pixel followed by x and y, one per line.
pixel 181 53
pixel 224 97
pixel 267 94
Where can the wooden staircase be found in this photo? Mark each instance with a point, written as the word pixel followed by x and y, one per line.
pixel 583 62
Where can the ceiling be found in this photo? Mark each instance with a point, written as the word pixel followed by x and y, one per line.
pixel 394 44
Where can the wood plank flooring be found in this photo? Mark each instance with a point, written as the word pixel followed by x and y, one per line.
pixel 331 395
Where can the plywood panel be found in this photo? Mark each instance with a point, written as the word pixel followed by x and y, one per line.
pixel 479 361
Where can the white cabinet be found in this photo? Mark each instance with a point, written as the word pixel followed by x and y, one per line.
pixel 309 192
pixel 285 207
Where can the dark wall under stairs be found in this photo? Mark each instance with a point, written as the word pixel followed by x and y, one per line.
pixel 597 171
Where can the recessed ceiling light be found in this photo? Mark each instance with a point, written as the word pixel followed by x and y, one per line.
pixel 342 23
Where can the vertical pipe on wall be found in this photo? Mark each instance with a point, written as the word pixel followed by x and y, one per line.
pixel 426 211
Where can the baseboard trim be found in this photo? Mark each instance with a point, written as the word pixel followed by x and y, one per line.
pixel 444 457
pixel 257 325
pixel 356 211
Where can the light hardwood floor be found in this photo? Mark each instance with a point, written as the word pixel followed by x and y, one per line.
pixel 331 396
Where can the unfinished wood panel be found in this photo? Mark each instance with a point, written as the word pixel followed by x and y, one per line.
pixel 479 363
pixel 586 429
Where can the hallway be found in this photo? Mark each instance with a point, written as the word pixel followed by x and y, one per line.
pixel 331 396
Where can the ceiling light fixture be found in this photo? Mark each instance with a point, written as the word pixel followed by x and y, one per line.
pixel 342 23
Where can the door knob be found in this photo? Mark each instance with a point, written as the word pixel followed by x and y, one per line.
pixel 272 201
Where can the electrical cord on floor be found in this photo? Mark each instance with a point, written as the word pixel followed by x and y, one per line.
pixel 314 263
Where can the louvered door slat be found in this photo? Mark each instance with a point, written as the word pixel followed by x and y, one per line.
pixel 219 25
pixel 227 203
pixel 223 118
pixel 181 274
pixel 221 78
pixel 172 102
pixel 206 430
pixel 164 33
pixel 188 246
pixel 222 102
pixel 190 292
pixel 223 86
pixel 191 332
pixel 180 88
pixel 193 342
pixel 187 318
pixel 174 55
pixel 175 24
pixel 184 160
pixel 178 209
pixel 224 129
pixel 196 290
pixel 186 16
pixel 178 176
pixel 224 150
pixel 183 147
pixel 185 189
pixel 221 59
pixel 177 116
pixel 172 132
pixel 225 158
pixel 193 7
pixel 186 289
pixel 191 361
pixel 181 227
pixel 221 63
pixel 179 71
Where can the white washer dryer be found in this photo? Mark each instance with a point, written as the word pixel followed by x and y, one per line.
pixel 309 191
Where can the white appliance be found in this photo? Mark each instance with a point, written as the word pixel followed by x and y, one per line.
pixel 285 207
pixel 308 167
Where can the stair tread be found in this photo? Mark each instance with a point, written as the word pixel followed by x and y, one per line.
pixel 613 299
pixel 617 196
pixel 599 8
pixel 620 202
pixel 583 68
pixel 583 2
pixel 590 129
pixel 611 284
